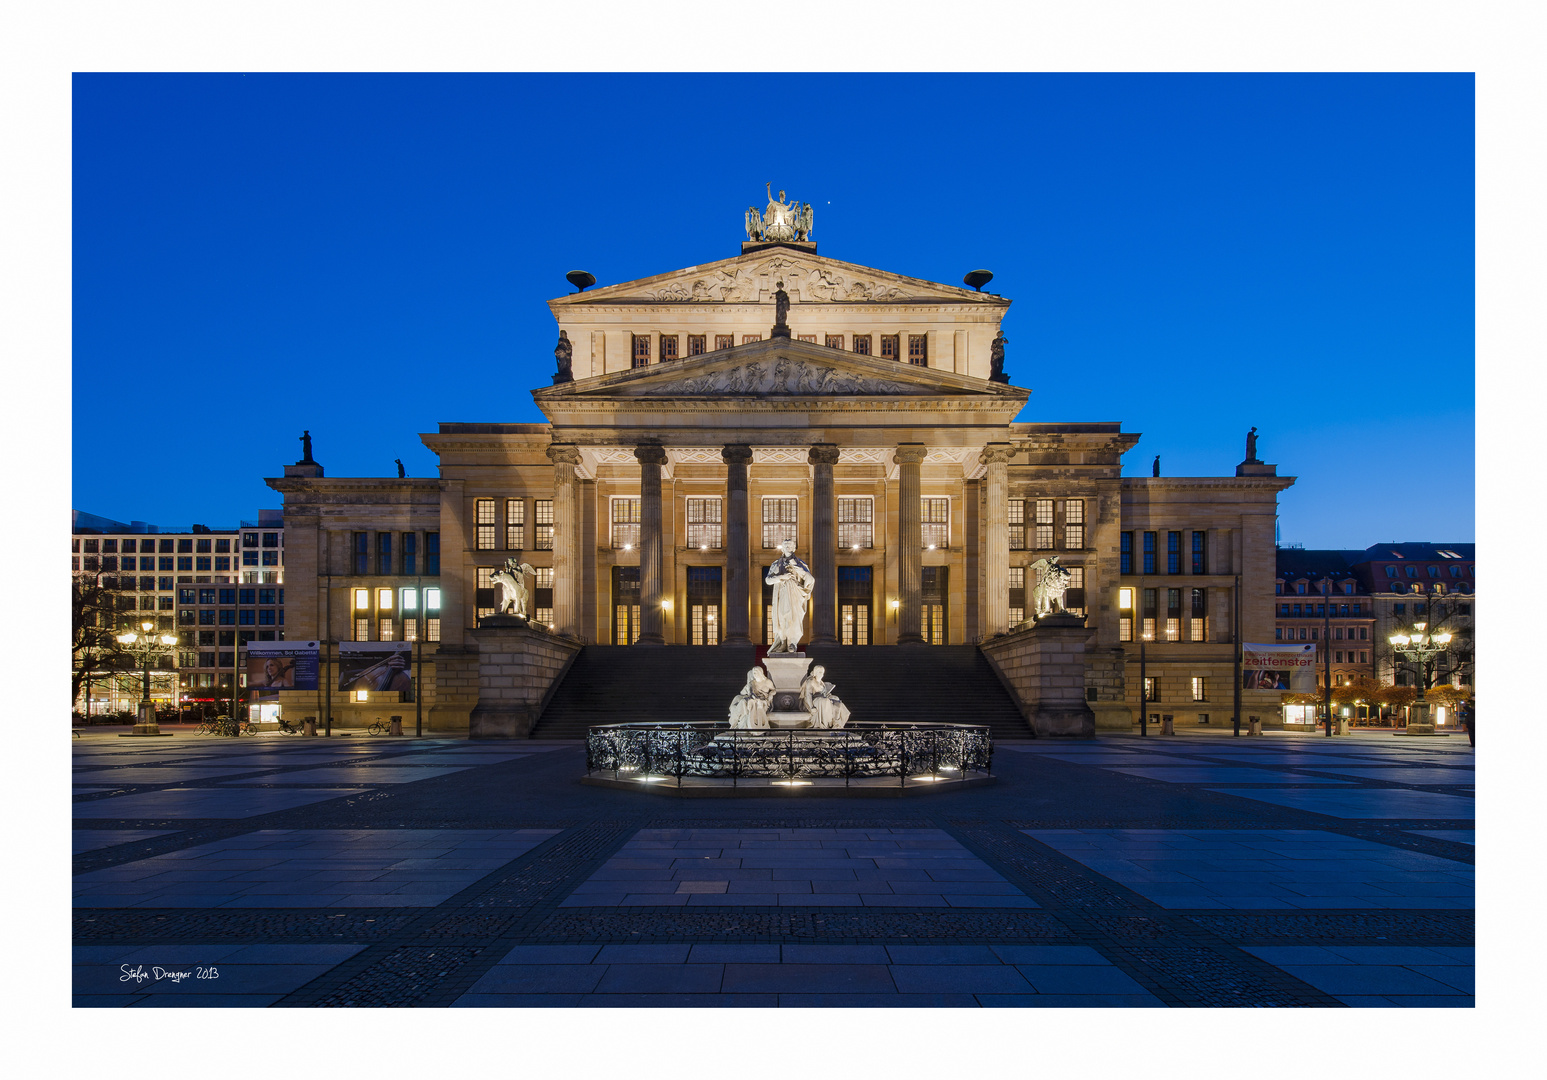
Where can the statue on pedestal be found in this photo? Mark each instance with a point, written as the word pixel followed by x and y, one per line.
pixel 564 353
pixel 1050 583
pixel 306 448
pixel 1251 446
pixel 792 583
pixel 781 326
pixel 996 359
pixel 818 697
pixel 749 709
pixel 781 222
pixel 511 581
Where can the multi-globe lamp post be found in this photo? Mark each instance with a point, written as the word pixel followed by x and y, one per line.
pixel 1419 647
pixel 147 643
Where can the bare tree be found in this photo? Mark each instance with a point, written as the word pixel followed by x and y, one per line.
pixel 93 628
pixel 1440 614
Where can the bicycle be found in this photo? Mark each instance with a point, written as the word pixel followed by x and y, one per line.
pixel 287 728
pixel 378 728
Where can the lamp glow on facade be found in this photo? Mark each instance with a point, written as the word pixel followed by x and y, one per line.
pixel 432 599
pixel 1125 599
pixel 362 599
pixel 410 600
pixel 384 599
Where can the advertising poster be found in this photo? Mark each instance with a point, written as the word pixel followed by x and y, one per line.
pixel 376 665
pixel 281 665
pixel 1290 668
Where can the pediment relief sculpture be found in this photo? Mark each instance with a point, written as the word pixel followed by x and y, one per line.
pixel 782 376
pixel 805 281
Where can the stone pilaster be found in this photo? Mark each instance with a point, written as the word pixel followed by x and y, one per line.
pixel 996 524
pixel 824 599
pixel 738 552
pixel 910 543
pixel 651 457
pixel 566 535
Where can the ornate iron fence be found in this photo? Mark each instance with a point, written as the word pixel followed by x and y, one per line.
pixel 662 753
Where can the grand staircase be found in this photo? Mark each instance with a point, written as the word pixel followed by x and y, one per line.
pixel 610 684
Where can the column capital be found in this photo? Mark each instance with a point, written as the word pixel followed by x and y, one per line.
pixel 997 454
pixel 564 453
pixel 736 454
pixel 650 454
pixel 910 454
pixel 823 454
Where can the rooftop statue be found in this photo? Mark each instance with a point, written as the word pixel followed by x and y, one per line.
pixel 1251 445
pixel 781 222
pixel 996 358
pixel 563 354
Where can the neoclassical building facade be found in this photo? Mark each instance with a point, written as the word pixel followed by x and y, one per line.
pixel 710 413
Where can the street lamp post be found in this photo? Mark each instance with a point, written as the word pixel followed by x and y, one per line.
pixel 1419 647
pixel 147 644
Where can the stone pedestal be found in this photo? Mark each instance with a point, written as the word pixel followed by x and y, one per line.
pixel 517 666
pixel 394 725
pixel 308 725
pixel 145 723
pixel 787 671
pixel 1044 665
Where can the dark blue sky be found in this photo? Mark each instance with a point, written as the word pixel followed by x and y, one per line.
pixel 366 256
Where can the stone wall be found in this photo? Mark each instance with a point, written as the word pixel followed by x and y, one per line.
pixel 1045 667
pixel 516 668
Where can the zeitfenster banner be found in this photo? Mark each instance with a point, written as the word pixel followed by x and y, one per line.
pixel 1291 668
pixel 376 666
pixel 281 665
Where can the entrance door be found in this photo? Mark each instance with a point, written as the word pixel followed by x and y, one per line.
pixel 854 598
pixel 936 602
pixel 704 604
pixel 625 605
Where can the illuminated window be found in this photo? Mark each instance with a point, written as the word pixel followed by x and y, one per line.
pixel 935 523
pixel 1043 524
pixel 724 341
pixel 1152 689
pixel 432 629
pixel 410 600
pixel 696 344
pixel 1017 595
pixel 483 523
pixel 918 349
pixel 1074 524
pixel 856 523
pixel 483 577
pixel 542 516
pixel 384 599
pixel 410 629
pixel 432 599
pixel 362 695
pixel 362 629
pixel 1200 690
pixel 704 523
pixel 779 521
pixel 385 628
pixel 625 524
pixel 1198 625
pixel 834 341
pixel 362 599
pixel 1017 521
pixel 515 524
pixel 543 577
pixel 862 344
pixel 1074 598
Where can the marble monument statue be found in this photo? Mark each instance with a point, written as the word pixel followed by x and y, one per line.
pixel 817 696
pixel 749 709
pixel 1050 583
pixel 792 583
pixel 781 222
pixel 511 581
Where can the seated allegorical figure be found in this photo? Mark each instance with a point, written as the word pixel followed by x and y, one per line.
pixel 749 709
pixel 826 710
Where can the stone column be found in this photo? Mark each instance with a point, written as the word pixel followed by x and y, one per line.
pixel 738 552
pixel 566 532
pixel 910 544
pixel 996 527
pixel 824 600
pixel 651 457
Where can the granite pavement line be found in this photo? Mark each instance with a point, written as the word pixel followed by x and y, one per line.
pixel 1193 969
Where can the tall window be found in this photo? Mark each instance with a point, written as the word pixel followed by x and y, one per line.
pixel 362 554
pixel 362 629
pixel 483 524
pixel 834 341
pixel 1173 553
pixel 696 344
pixel 669 343
pixel 542 517
pixel 515 524
pixel 889 346
pixel 641 350
pixel 1074 524
pixel 1200 562
pixel 1151 689
pixel 862 344
pixel 724 341
pixel 410 553
pixel 1044 524
pixel 386 630
pixel 1074 599
pixel 1149 553
pixel 704 524
pixel 625 524
pixel 1199 624
pixel 1017 595
pixel 779 521
pixel 918 349
pixel 935 522
pixel 1147 626
pixel 432 557
pixel 1200 688
pixel 384 553
pixel 856 523
pixel 1017 524
pixel 1125 553
pixel 1173 614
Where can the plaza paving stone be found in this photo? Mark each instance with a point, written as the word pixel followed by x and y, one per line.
pixel 1121 872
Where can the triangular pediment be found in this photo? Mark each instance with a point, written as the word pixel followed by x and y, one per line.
pixel 779 368
pixel 753 277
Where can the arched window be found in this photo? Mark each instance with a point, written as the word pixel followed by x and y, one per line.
pixel 1439 588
